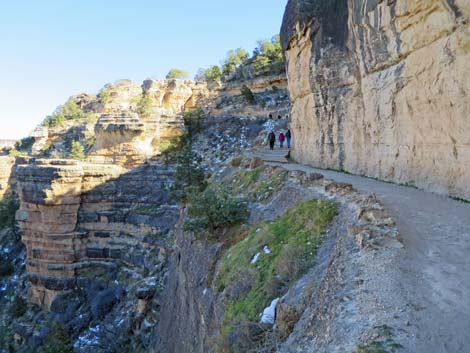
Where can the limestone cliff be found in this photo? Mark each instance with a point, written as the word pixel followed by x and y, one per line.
pixel 7 164
pixel 75 215
pixel 381 88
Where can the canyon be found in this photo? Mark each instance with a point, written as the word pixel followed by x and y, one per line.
pixel 321 261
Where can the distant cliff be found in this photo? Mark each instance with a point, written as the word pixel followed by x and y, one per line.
pixel 381 88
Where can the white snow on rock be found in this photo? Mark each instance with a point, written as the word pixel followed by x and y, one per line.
pixel 255 258
pixel 88 338
pixel 269 314
pixel 267 250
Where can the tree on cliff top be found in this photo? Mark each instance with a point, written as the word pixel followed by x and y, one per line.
pixel 212 74
pixel 177 74
pixel 234 59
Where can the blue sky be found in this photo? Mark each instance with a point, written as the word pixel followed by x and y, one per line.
pixel 52 49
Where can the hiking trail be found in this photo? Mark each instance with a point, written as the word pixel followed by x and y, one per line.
pixel 435 263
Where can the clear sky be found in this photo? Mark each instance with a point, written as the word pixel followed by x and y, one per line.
pixel 52 49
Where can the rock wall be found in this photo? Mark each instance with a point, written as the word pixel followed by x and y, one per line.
pixel 381 88
pixel 7 144
pixel 7 164
pixel 74 216
pixel 270 95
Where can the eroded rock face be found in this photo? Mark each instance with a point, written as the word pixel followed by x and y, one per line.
pixel 7 164
pixel 381 89
pixel 270 94
pixel 75 216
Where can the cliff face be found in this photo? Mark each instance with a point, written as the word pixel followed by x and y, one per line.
pixel 7 164
pixel 76 216
pixel 381 89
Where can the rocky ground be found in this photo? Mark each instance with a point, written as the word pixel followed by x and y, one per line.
pixel 413 288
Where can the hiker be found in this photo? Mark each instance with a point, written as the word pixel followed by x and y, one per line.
pixel 288 138
pixel 272 140
pixel 281 139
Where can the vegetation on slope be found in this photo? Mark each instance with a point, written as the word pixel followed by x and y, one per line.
pixel 262 266
pixel 69 111
pixel 177 74
pixel 8 207
pixel 253 186
pixel 214 210
pixel 266 59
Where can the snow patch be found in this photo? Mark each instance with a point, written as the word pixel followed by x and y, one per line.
pixel 267 250
pixel 269 314
pixel 255 258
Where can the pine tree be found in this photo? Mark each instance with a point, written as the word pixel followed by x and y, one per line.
pixel 58 341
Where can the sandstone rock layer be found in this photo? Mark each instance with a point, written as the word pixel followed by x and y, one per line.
pixel 75 216
pixel 381 88
pixel 7 164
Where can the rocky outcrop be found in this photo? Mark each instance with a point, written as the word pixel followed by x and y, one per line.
pixel 381 89
pixel 7 144
pixel 74 216
pixel 270 93
pixel 7 164
pixel 123 139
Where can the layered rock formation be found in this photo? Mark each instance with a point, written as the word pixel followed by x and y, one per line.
pixel 270 93
pixel 381 88
pixel 7 164
pixel 75 216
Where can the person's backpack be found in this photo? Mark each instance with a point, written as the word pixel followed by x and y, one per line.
pixel 271 137
pixel 281 137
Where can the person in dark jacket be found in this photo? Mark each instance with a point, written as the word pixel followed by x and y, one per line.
pixel 288 138
pixel 272 140
pixel 281 139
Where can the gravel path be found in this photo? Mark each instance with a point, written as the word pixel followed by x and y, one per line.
pixel 435 265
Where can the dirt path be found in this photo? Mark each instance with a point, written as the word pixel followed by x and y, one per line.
pixel 435 265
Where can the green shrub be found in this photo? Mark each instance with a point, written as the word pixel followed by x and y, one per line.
pixel 104 95
pixel 58 341
pixel 215 209
pixel 177 74
pixel 248 94
pixel 69 111
pixel 15 153
pixel 77 151
pixel 90 142
pixel 193 120
pixel 212 74
pixel 172 148
pixel 8 207
pixel 19 307
pixel 144 106
pixel 54 120
pixel 25 144
pixel 189 175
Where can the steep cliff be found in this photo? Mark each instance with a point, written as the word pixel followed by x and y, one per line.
pixel 381 88
pixel 7 164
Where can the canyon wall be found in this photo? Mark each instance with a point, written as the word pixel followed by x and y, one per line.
pixel 7 165
pixel 76 217
pixel 381 88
